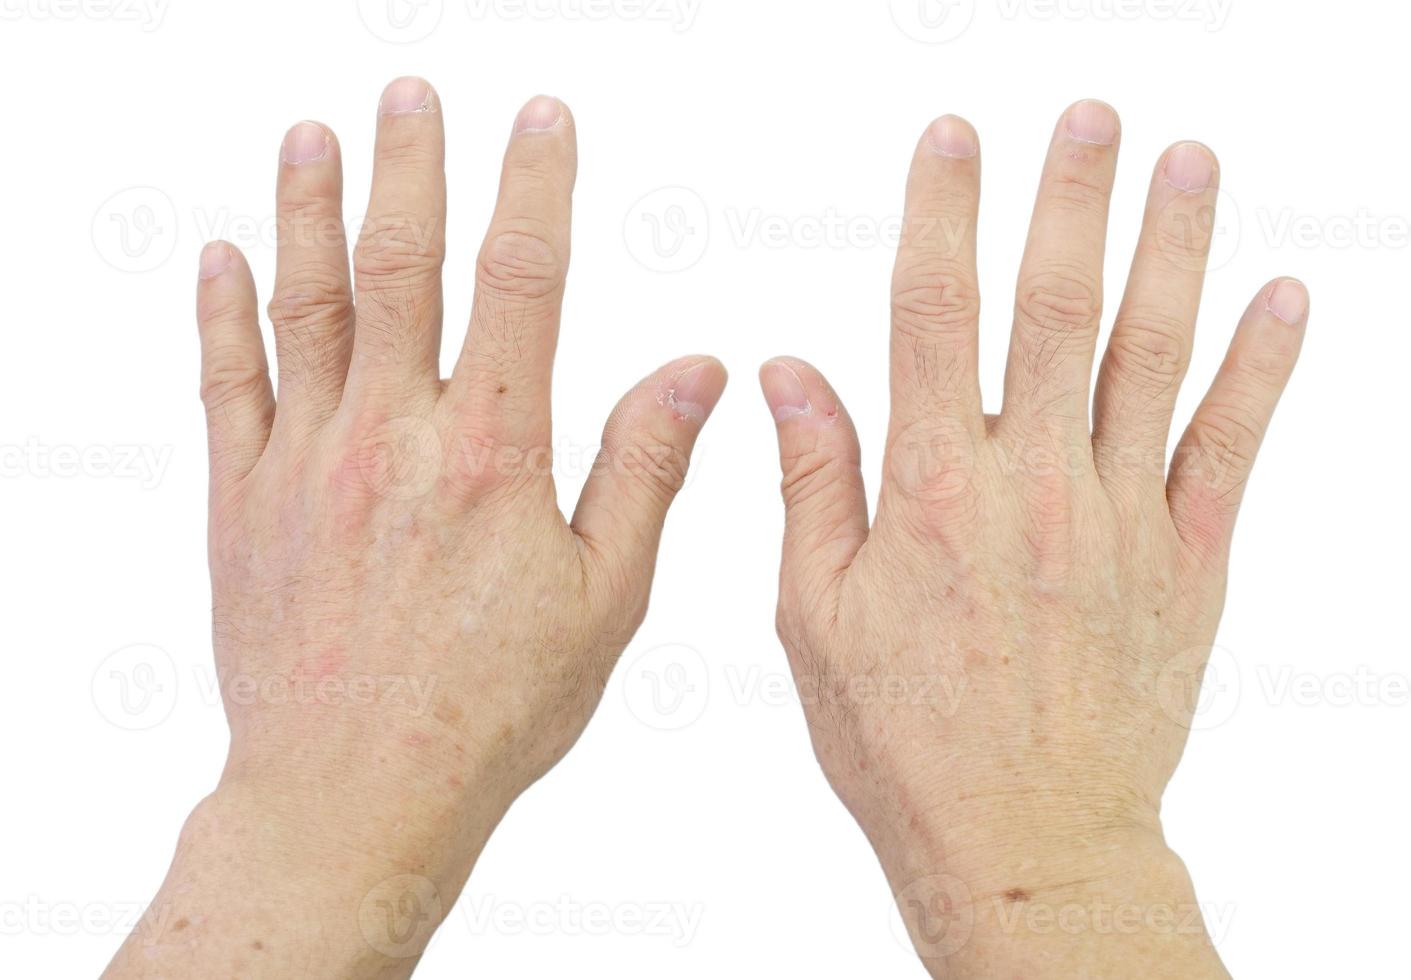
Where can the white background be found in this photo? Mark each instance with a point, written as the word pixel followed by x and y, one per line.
pixel 776 122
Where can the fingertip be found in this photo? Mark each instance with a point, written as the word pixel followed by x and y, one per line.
pixel 1190 166
pixel 407 94
pixel 304 142
pixel 784 390
pixel 542 114
pixel 1092 121
pixel 692 386
pixel 216 258
pixel 951 136
pixel 1287 298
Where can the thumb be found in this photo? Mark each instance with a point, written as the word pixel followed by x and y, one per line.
pixel 642 465
pixel 825 507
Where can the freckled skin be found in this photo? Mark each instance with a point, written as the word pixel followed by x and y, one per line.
pixel 407 630
pixel 1045 587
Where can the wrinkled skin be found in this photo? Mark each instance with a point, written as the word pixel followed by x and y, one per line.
pixel 1003 663
pixel 407 630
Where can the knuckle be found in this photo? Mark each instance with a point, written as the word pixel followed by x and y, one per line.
pixel 310 221
pixel 808 474
pixel 399 458
pixel 406 156
pixel 1077 190
pixel 1264 367
pixel 308 299
pixel 228 376
pixel 1059 300
pixel 398 249
pixel 652 465
pixel 1149 347
pixel 933 464
pixel 1184 237
pixel 1226 435
pixel 482 464
pixel 521 264
pixel 927 304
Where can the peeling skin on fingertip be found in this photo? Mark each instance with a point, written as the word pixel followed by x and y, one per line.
pixel 792 411
pixel 683 394
pixel 680 410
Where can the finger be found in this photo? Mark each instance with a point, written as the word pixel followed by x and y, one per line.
pixel 642 465
pixel 1150 347
pixel 825 507
pixel 1058 304
pixel 234 373
pixel 935 286
pixel 312 306
pixel 397 261
pixel 1214 458
pixel 505 367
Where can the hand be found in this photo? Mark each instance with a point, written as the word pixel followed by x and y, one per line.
pixel 997 673
pixel 407 631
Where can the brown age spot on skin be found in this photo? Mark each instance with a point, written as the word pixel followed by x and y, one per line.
pixel 502 389
pixel 1004 659
pixel 1016 895
pixel 449 713
pixel 180 924
pixel 505 735
pixel 257 945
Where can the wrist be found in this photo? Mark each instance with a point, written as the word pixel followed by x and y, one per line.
pixel 1053 905
pixel 265 882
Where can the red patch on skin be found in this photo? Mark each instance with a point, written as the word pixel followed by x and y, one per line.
pixel 324 665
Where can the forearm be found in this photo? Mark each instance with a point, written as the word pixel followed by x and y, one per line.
pixel 253 892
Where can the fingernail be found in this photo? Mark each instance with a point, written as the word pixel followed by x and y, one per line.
pixel 1288 301
pixel 694 392
pixel 784 391
pixel 406 95
pixel 304 143
pixel 951 136
pixel 1190 167
pixel 539 113
pixel 1093 122
pixel 215 259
